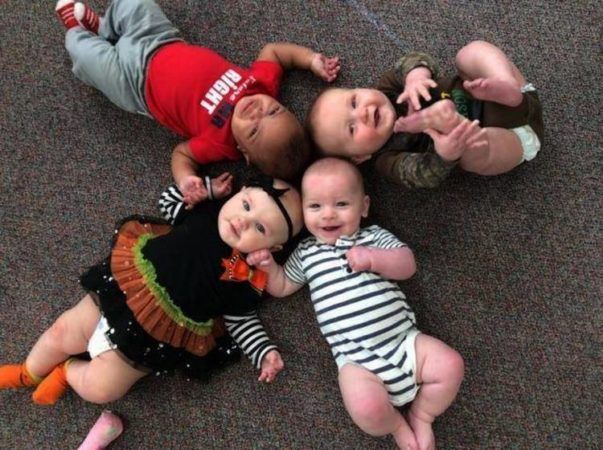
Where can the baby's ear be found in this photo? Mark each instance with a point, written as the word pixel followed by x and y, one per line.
pixel 360 159
pixel 366 203
pixel 244 153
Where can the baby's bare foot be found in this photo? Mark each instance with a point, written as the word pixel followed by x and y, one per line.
pixel 441 116
pixel 423 432
pixel 413 123
pixel 494 90
pixel 405 437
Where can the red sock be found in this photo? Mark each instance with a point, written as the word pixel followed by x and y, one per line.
pixel 86 17
pixel 64 10
pixel 16 376
pixel 52 387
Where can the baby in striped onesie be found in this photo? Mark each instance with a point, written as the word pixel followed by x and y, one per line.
pixel 352 273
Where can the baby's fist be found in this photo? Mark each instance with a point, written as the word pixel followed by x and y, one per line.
pixel 260 258
pixel 326 68
pixel 359 258
pixel 222 186
pixel 272 364
pixel 193 190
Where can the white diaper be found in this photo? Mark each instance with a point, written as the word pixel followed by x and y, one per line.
pixel 529 142
pixel 99 342
pixel 403 391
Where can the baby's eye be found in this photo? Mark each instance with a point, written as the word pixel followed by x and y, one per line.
pixel 341 204
pixel 246 205
pixel 314 206
pixel 260 228
pixel 273 111
pixel 253 132
pixel 353 101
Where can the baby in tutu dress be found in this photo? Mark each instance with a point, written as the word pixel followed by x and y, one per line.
pixel 165 296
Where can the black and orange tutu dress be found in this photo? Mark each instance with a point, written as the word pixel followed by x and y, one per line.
pixel 163 294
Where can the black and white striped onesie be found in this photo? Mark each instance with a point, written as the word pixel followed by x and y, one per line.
pixel 363 316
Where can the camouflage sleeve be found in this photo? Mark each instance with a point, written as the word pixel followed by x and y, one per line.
pixel 414 170
pixel 417 59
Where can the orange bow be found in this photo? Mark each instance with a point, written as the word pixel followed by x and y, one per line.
pixel 237 269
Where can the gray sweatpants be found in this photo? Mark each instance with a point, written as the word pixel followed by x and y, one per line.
pixel 114 62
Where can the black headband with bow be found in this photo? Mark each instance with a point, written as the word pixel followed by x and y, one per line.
pixel 265 183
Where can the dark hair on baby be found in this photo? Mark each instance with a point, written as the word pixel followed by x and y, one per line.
pixel 289 161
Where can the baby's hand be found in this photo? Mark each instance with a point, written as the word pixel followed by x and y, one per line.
pixel 465 135
pixel 272 364
pixel 222 186
pixel 417 84
pixel 359 258
pixel 193 191
pixel 325 68
pixel 260 258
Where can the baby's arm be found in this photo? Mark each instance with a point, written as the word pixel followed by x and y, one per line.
pixel 423 168
pixel 392 263
pixel 251 337
pixel 416 85
pixel 292 56
pixel 279 285
pixel 426 170
pixel 171 204
pixel 184 171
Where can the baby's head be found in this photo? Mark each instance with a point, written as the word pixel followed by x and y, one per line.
pixel 353 123
pixel 333 199
pixel 265 214
pixel 270 136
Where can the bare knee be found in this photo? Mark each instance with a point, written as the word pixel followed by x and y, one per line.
pixel 370 414
pixel 60 330
pixel 471 50
pixel 92 389
pixel 455 366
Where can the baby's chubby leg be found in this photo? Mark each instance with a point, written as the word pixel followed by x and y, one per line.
pixel 489 74
pixel 68 335
pixel 502 153
pixel 440 372
pixel 442 116
pixel 44 366
pixel 106 378
pixel 367 402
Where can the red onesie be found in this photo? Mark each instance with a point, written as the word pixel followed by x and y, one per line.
pixel 192 90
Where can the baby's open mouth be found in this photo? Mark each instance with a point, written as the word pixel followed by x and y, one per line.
pixel 332 228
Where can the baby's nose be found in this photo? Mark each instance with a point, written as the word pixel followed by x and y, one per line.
pixel 241 224
pixel 362 114
pixel 328 213
pixel 257 112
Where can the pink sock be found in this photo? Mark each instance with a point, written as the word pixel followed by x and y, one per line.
pixel 105 430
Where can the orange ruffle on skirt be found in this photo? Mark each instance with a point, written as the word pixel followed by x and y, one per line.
pixel 143 303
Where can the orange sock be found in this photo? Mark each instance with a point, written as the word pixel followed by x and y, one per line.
pixel 53 386
pixel 16 376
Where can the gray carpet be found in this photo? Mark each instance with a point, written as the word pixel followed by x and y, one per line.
pixel 509 268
